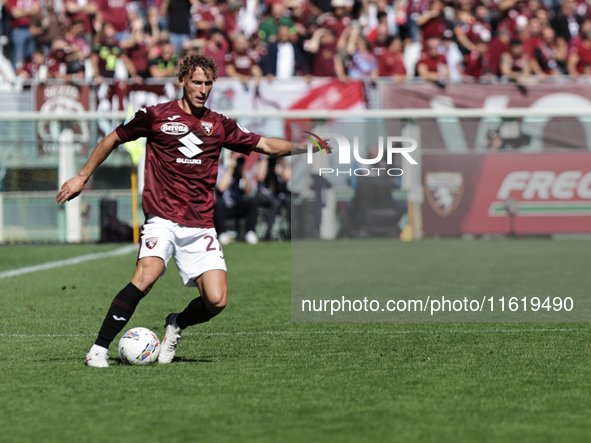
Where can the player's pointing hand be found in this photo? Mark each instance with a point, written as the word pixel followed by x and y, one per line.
pixel 70 189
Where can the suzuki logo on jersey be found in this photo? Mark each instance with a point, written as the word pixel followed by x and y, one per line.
pixel 190 142
pixel 207 127
pixel 174 128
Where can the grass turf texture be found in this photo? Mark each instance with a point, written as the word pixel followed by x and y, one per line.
pixel 252 375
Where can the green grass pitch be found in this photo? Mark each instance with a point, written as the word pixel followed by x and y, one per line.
pixel 251 375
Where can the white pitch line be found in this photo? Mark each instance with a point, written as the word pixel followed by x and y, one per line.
pixel 70 261
pixel 452 331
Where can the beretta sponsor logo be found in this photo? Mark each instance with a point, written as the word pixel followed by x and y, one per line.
pixel 174 128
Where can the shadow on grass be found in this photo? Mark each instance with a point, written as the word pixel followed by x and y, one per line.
pixel 192 360
pixel 118 361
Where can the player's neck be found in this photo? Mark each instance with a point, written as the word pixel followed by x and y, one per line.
pixel 186 106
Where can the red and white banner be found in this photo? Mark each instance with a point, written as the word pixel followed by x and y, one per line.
pixel 319 93
pixel 524 194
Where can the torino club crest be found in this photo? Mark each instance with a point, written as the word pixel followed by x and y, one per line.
pixel 151 242
pixel 207 127
pixel 444 191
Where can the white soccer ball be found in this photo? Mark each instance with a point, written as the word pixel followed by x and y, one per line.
pixel 139 346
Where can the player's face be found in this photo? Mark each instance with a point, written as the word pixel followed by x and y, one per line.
pixel 197 88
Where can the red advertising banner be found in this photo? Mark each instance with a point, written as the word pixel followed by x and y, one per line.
pixel 522 194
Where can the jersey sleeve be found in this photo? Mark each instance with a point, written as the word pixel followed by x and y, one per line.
pixel 138 125
pixel 238 138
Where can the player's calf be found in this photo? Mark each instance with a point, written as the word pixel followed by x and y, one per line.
pixel 197 312
pixel 121 309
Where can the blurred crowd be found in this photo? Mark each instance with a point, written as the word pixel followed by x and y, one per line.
pixel 454 40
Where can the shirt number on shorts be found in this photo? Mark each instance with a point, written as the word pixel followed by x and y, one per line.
pixel 210 248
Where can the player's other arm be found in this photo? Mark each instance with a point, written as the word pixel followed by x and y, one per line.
pixel 73 187
pixel 276 147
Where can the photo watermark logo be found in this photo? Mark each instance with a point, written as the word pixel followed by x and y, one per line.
pixel 394 145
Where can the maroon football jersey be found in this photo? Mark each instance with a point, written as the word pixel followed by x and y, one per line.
pixel 182 155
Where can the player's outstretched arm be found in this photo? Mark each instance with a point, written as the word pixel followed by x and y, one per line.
pixel 73 187
pixel 276 147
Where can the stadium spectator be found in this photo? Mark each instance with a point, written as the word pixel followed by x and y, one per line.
pixel 2 75
pixel 515 63
pixel 242 62
pixel 76 38
pixel 496 47
pixel 362 64
pixel 47 26
pixel 531 36
pixel 269 27
pixel 512 16
pixel 432 65
pixel 106 54
pixel 567 23
pixel 378 13
pixel 59 64
pixel 453 55
pixel 471 29
pixel 23 43
pixel 216 47
pixel 206 16
pixel 325 61
pixel 230 17
pixel 137 51
pixel 179 21
pixel 415 9
pixel 579 59
pixel 301 15
pixel 247 17
pixel 319 7
pixel 544 18
pixel 378 38
pixel 390 63
pixel 476 63
pixel 550 54
pixel 283 59
pixel 232 190
pixel 164 65
pixel 337 20
pixel 35 68
pixel 432 22
pixel 81 11
pixel 153 24
pixel 118 13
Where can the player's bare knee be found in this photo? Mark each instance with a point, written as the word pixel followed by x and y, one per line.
pixel 145 276
pixel 216 300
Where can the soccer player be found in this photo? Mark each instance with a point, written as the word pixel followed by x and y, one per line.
pixel 183 149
